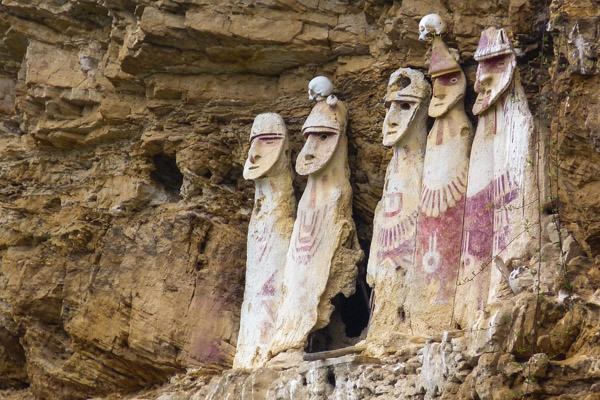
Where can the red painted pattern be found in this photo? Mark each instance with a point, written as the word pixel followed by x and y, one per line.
pixel 265 243
pixel 268 288
pixel 506 190
pixel 478 244
pixel 397 242
pixel 392 204
pixel 310 234
pixel 438 250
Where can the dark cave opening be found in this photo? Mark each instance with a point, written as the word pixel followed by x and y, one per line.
pixel 14 367
pixel 331 376
pixel 166 172
pixel 348 321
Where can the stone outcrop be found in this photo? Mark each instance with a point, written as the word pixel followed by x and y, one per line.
pixel 123 134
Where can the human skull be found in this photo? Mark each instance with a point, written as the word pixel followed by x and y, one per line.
pixel 431 25
pixel 319 88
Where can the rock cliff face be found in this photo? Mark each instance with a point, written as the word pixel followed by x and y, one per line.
pixel 123 132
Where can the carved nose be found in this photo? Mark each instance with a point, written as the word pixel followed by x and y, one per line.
pixel 309 148
pixel 485 80
pixel 393 115
pixel 438 92
pixel 254 158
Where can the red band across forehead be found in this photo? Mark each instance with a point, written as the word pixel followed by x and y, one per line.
pixel 319 130
pixel 268 136
pixel 446 79
pixel 495 59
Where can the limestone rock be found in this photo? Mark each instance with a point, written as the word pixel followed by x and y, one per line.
pixel 147 105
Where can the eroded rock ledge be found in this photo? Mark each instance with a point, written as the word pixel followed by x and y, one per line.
pixel 124 213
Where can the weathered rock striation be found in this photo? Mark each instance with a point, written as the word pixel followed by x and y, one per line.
pixel 124 213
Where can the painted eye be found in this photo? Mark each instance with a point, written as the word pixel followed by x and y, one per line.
pixel 501 64
pixel 453 80
pixel 324 137
pixel 405 106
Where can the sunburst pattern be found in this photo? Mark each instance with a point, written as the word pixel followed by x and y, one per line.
pixel 392 240
pixel 434 202
pixel 505 188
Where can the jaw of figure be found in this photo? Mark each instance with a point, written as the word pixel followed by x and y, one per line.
pixel 493 78
pixel 406 91
pixel 268 141
pixel 448 90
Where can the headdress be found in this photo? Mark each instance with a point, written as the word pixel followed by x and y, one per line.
pixel 407 84
pixel 270 124
pixel 493 42
pixel 442 62
pixel 325 118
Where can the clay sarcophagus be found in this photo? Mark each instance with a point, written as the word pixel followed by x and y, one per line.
pixel 269 232
pixel 324 252
pixel 439 227
pixel 502 202
pixel 395 222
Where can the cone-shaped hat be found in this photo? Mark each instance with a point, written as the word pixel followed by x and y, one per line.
pixel 442 61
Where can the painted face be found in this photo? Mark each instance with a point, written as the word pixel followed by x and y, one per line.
pixel 317 151
pixel 398 119
pixel 448 89
pixel 493 77
pixel 265 150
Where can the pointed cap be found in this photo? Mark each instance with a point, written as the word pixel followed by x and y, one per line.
pixel 493 42
pixel 442 61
